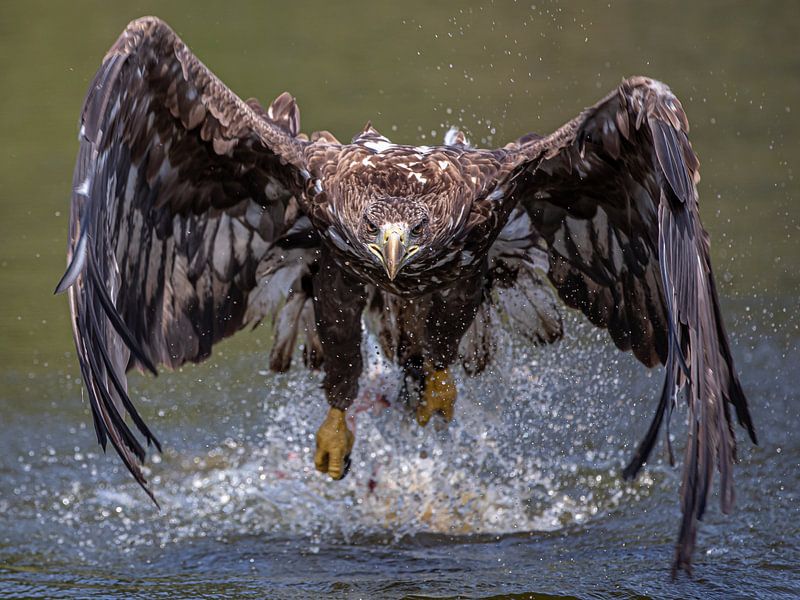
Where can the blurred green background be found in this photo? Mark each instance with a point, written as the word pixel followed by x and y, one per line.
pixel 498 70
pixel 413 68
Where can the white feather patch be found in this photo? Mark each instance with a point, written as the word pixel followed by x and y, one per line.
pixel 338 240
pixel 75 265
pixel 83 188
pixel 379 146
pixel 452 135
pixel 221 256
pixel 496 194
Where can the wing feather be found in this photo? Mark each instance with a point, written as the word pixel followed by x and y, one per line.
pixel 618 208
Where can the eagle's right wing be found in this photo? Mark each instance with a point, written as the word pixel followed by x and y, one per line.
pixel 179 192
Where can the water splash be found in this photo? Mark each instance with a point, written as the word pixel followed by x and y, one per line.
pixel 525 453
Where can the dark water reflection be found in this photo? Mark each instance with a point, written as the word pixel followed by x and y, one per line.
pixel 539 507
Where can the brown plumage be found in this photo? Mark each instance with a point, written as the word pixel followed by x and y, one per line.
pixel 195 214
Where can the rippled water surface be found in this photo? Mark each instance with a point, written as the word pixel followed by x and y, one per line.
pixel 521 495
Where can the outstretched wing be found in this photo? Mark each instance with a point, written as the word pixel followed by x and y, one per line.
pixel 613 193
pixel 179 190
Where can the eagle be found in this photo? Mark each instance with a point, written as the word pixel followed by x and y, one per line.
pixel 195 214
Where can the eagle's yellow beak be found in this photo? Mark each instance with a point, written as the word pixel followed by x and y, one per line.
pixel 391 249
pixel 394 249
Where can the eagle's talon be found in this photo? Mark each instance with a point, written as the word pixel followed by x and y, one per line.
pixel 438 396
pixel 347 464
pixel 334 444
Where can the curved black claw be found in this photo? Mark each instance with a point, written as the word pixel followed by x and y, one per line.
pixel 346 467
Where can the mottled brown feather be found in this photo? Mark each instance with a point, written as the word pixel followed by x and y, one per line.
pixel 618 207
pixel 195 213
pixel 164 258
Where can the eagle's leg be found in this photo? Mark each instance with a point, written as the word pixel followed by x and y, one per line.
pixel 334 444
pixel 438 395
pixel 338 303
pixel 451 313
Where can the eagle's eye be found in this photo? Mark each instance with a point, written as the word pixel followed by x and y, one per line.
pixel 372 229
pixel 417 230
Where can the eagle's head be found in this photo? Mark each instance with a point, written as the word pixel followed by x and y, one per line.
pixel 394 231
pixel 398 214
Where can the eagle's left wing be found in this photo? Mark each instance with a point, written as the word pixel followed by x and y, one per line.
pixel 613 194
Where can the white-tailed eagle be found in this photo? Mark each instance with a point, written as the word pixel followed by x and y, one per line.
pixel 195 214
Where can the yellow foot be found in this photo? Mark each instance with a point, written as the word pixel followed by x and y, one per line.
pixel 438 395
pixel 334 444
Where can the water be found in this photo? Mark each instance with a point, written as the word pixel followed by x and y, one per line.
pixel 522 494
